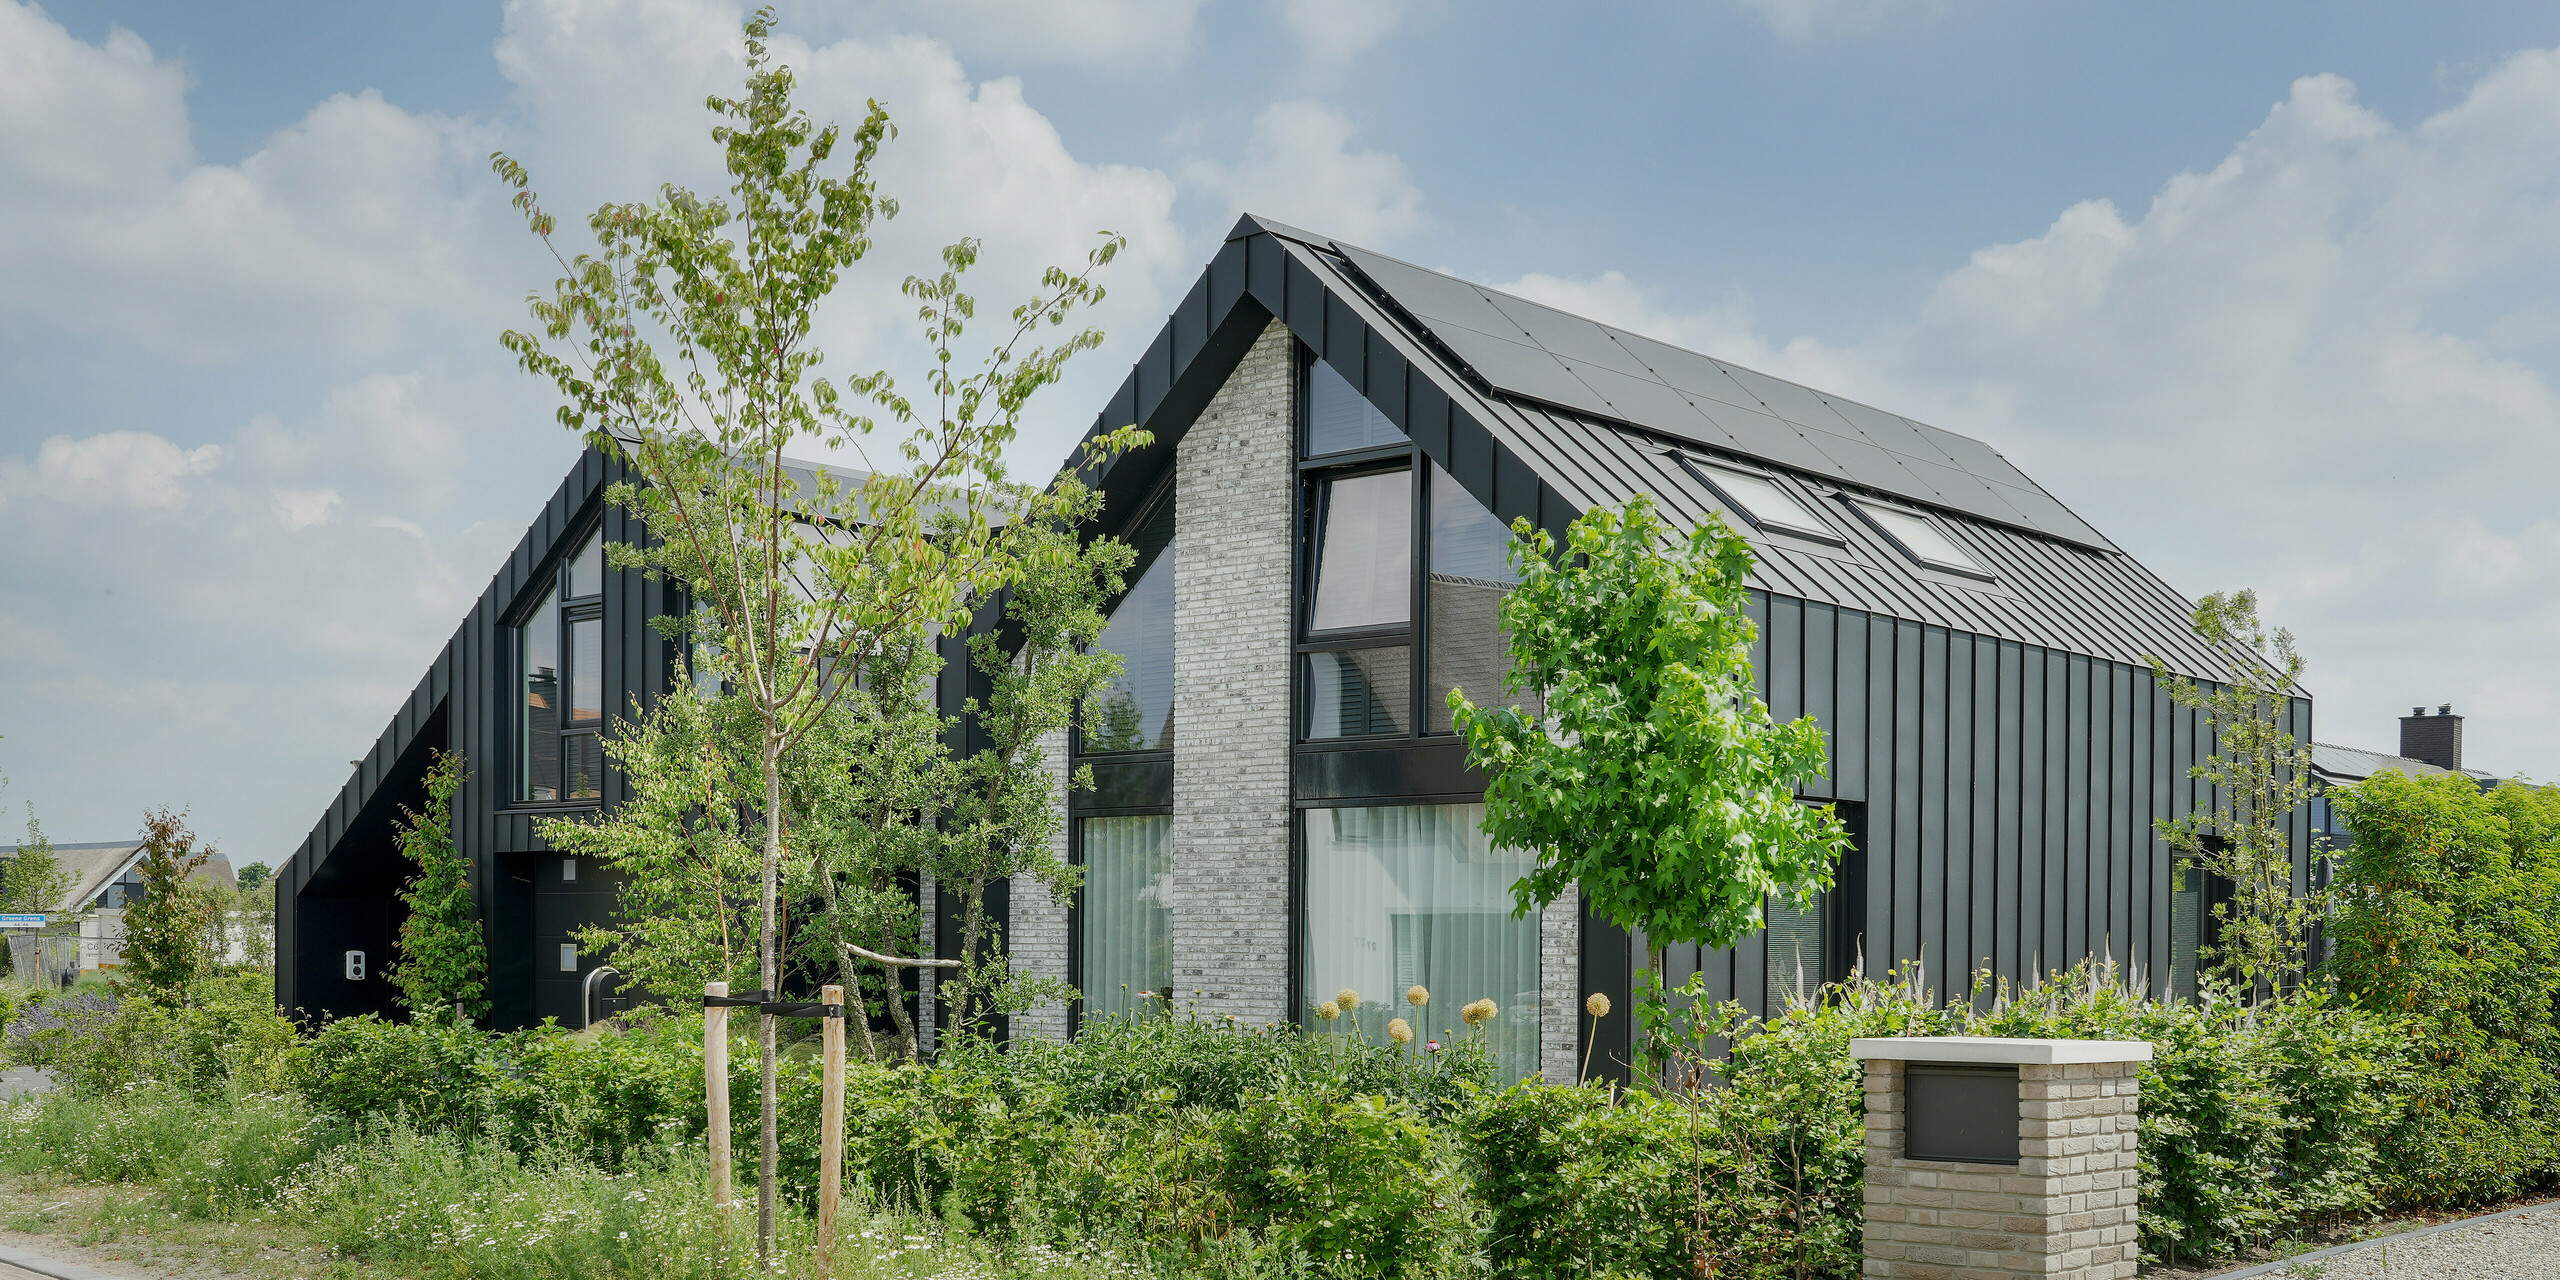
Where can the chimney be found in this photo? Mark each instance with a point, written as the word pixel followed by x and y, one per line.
pixel 2436 739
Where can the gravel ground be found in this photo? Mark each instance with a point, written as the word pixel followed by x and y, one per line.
pixel 2525 1246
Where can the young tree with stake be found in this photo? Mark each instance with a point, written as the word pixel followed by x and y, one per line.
pixel 684 344
pixel 1656 781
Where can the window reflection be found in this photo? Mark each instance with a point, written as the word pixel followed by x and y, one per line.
pixel 1339 418
pixel 1356 693
pixel 1135 712
pixel 1363 552
pixel 538 653
pixel 586 669
pixel 586 569
pixel 1470 574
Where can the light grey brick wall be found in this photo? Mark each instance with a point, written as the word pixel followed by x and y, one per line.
pixel 1037 940
pixel 1235 477
pixel 2066 1209
pixel 1559 996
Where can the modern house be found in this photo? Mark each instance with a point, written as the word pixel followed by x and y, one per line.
pixel 1280 811
pixel 84 929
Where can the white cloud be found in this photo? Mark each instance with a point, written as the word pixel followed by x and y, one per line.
pixel 1814 19
pixel 222 606
pixel 2300 371
pixel 1125 36
pixel 1331 33
pixel 113 470
pixel 340 232
pixel 1300 167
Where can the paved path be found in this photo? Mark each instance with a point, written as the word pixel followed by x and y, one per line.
pixel 18 1082
pixel 2522 1244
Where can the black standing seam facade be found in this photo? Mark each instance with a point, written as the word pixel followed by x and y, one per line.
pixel 2002 780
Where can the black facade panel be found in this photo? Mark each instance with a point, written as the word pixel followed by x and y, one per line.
pixel 1429 416
pixel 1430 769
pixel 1981 933
pixel 1303 304
pixel 1155 373
pixel 1386 379
pixel 1470 461
pixel 2083 829
pixel 1190 322
pixel 2010 905
pixel 1935 760
pixel 1910 785
pixel 1346 341
pixel 1227 277
pixel 1821 694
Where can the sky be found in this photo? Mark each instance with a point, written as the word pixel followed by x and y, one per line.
pixel 2270 293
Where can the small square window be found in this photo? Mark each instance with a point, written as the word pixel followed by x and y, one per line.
pixel 1761 500
pixel 568 957
pixel 568 868
pixel 1920 538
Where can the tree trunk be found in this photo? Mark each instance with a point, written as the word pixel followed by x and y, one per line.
pixel 769 972
pixel 897 997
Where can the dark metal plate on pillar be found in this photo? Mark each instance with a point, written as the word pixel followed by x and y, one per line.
pixel 1960 1112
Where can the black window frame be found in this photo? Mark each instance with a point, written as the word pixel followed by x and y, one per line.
pixel 571 610
pixel 1412 633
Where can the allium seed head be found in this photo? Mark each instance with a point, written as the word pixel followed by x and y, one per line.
pixel 1400 1031
pixel 1328 1011
pixel 1597 1005
pixel 1417 995
pixel 1347 998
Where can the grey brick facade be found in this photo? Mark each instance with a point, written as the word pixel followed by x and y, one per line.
pixel 1234 481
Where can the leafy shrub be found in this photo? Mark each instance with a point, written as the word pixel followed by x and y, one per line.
pixel 2449 916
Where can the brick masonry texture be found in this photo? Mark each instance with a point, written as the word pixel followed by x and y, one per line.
pixel 1233 483
pixel 1559 1003
pixel 1038 943
pixel 2066 1209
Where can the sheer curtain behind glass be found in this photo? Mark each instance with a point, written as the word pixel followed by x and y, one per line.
pixel 1128 919
pixel 1415 895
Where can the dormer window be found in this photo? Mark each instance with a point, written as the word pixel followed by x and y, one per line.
pixel 560 683
pixel 1920 538
pixel 1759 499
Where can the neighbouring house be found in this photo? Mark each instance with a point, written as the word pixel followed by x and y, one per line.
pixel 2429 744
pixel 1280 810
pixel 100 880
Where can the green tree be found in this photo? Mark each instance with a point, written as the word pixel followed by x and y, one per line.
pixel 2448 915
pixel 168 931
pixel 684 345
pixel 2260 774
pixel 1657 781
pixel 34 880
pixel 443 960
pixel 253 877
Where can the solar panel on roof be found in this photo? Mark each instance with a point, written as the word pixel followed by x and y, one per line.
pixel 1536 352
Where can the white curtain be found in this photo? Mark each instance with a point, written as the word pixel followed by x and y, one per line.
pixel 1414 895
pixel 1128 918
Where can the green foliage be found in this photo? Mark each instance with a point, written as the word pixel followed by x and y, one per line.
pixel 443 960
pixel 33 880
pixel 253 877
pixel 167 934
pixel 686 845
pixel 605 1094
pixel 2261 773
pixel 2449 916
pixel 1658 784
pixel 227 1038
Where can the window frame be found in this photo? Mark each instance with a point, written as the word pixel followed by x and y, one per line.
pixel 1705 470
pixel 1866 507
pixel 570 610
pixel 1409 634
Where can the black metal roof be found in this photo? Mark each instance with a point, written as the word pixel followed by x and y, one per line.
pixel 1566 413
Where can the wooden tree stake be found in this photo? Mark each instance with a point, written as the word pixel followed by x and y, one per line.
pixel 715 1088
pixel 830 1125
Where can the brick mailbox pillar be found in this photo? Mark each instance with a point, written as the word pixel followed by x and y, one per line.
pixel 1991 1157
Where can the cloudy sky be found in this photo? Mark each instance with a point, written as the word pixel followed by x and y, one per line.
pixel 2271 293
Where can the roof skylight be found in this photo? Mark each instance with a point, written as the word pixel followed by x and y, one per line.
pixel 1760 501
pixel 1920 538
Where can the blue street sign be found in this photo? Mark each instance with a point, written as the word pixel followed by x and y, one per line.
pixel 29 920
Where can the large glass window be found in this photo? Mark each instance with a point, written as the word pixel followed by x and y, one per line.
pixel 1361 561
pixel 1136 712
pixel 1352 693
pixel 560 673
pixel 1799 950
pixel 1128 914
pixel 1470 574
pixel 2186 929
pixel 1414 895
pixel 1339 418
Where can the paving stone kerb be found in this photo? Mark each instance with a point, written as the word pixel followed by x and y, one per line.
pixel 2067 1208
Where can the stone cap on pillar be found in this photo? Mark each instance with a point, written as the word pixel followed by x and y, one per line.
pixel 1998 1049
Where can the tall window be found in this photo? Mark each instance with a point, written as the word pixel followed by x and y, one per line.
pixel 560 665
pixel 1136 712
pixel 1124 917
pixel 1799 950
pixel 1128 914
pixel 1414 895
pixel 1470 574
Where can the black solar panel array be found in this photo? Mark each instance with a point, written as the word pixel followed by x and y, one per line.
pixel 1535 352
